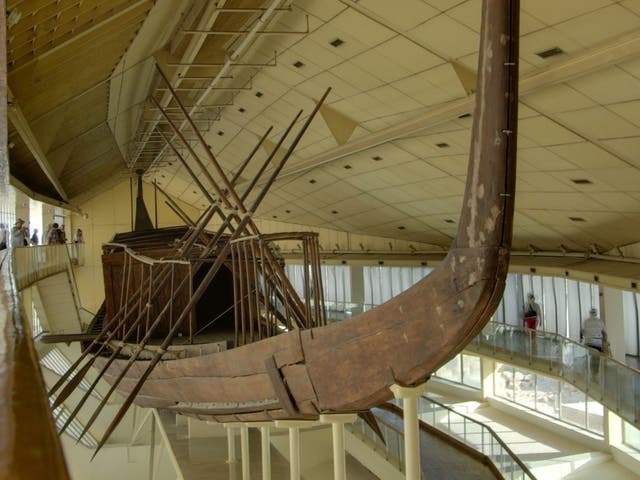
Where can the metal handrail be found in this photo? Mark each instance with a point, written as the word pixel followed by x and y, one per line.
pixel 553 335
pixel 614 384
pixel 510 452
pixel 361 428
pixel 31 447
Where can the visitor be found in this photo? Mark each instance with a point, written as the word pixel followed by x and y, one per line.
pixel 78 237
pixel 532 317
pixel 54 236
pixel 3 237
pixel 593 332
pixel 63 235
pixel 594 335
pixel 34 238
pixel 19 234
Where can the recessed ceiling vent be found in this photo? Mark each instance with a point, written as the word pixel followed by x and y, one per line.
pixel 577 219
pixel 581 181
pixel 552 52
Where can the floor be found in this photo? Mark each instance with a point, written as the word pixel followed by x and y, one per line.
pixel 205 458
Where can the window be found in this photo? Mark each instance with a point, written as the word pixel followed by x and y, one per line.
pixel 631 436
pixel 464 369
pixel 549 396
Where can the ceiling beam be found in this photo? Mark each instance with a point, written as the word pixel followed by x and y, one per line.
pixel 618 50
pixel 16 117
pixel 42 198
pixel 82 34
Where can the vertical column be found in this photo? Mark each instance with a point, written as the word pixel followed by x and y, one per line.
pixel 409 396
pixel 244 452
pixel 488 366
pixel 337 422
pixel 612 314
pixel 265 437
pixel 294 443
pixel 231 442
pixel 357 287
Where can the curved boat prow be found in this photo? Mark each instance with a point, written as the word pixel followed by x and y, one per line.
pixel 407 338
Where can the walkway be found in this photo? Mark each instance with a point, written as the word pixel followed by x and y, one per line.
pixel 612 383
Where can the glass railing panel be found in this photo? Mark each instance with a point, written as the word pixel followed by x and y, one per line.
pixel 602 378
pixel 626 391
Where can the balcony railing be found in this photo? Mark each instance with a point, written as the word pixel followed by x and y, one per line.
pixel 602 378
pixel 30 447
pixel 31 264
pixel 474 434
pixel 391 449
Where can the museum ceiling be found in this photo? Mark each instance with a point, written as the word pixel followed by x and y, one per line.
pixel 387 155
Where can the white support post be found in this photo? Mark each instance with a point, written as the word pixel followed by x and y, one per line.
pixel 231 442
pixel 337 422
pixel 488 368
pixel 265 437
pixel 152 446
pixel 294 444
pixel 244 452
pixel 409 396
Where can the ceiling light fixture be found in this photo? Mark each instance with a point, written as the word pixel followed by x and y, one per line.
pixel 347 167
pixel 442 145
pixel 448 220
pixel 337 42
pixel 298 64
pixel 334 212
pixel 401 227
pixel 241 110
pixel 312 181
pixel 552 52
pixel 220 132
pixel 577 219
pixel 581 181
pixel 377 158
pixel 259 94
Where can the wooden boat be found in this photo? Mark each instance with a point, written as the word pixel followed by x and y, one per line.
pixel 280 358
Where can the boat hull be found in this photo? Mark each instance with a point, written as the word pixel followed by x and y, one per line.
pixel 351 365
